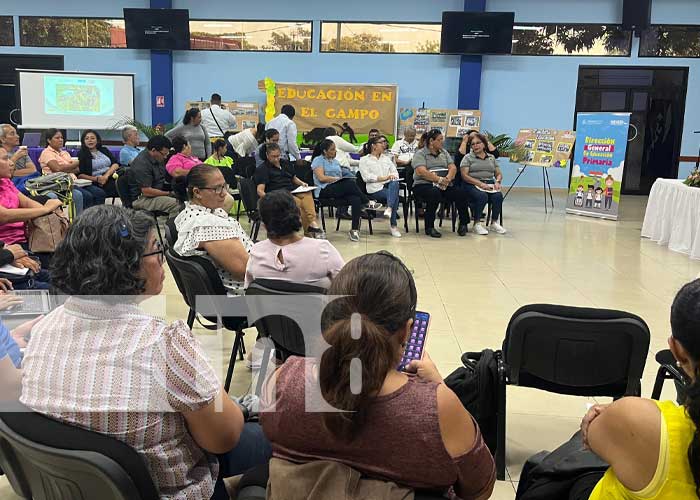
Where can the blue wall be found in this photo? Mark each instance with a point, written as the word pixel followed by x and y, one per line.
pixel 520 91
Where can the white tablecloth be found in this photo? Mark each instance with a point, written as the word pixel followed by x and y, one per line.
pixel 673 216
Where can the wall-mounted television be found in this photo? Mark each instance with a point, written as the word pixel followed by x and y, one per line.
pixel 473 33
pixel 158 29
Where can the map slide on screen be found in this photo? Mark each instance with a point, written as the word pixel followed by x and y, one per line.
pixel 68 95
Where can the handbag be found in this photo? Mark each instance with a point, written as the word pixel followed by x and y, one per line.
pixel 57 182
pixel 47 231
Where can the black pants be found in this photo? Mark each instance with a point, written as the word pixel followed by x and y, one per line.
pixel 346 192
pixel 432 197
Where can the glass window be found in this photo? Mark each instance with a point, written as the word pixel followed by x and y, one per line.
pixel 72 32
pixel 670 41
pixel 7 31
pixel 571 40
pixel 279 36
pixel 398 38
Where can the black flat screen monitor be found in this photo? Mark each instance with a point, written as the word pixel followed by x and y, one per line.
pixel 477 32
pixel 158 29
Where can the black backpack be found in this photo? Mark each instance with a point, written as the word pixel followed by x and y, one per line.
pixel 476 386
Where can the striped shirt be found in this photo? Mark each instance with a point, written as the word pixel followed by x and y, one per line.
pixel 116 370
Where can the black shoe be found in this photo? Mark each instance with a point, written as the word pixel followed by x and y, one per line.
pixel 433 233
pixel 463 230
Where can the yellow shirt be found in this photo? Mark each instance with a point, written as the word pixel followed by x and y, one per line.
pixel 226 161
pixel 673 479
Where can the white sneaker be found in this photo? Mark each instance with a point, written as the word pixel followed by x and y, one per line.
pixel 387 212
pixel 495 226
pixel 395 232
pixel 354 235
pixel 480 229
pixel 374 205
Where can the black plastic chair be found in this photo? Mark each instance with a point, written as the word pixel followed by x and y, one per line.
pixel 243 166
pixel 669 371
pixel 48 460
pixel 249 195
pixel 570 350
pixel 283 331
pixel 197 279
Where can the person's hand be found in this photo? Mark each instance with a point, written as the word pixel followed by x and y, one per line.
pixel 21 153
pixel 102 180
pixel 590 416
pixel 485 187
pixel 28 263
pixel 497 186
pixel 17 251
pixel 21 333
pixel 8 300
pixel 5 285
pixel 425 369
pixel 52 205
pixel 304 184
pixel 393 177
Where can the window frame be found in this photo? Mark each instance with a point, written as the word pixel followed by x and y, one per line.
pixel 639 50
pixel 629 50
pixel 309 21
pixel 101 18
pixel 381 23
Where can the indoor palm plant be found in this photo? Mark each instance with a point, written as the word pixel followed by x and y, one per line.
pixel 143 128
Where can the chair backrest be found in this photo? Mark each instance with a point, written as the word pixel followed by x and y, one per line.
pixel 122 185
pixel 245 166
pixel 170 232
pixel 575 350
pixel 249 195
pixel 284 332
pixel 408 177
pixel 304 172
pixel 196 278
pixel 361 183
pixel 48 460
pixel 229 176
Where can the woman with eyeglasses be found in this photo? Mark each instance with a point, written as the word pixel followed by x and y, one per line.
pixel 433 182
pixel 382 179
pixel 409 428
pixel 102 363
pixel 204 227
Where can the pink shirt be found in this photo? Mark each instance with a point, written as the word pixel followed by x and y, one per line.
pixel 309 261
pixel 48 154
pixel 12 232
pixel 181 161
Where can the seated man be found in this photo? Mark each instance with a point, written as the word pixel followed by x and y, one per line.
pixel 273 175
pixel 131 149
pixel 271 135
pixel 403 149
pixel 147 178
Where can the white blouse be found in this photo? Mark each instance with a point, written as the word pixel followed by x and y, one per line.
pixel 197 224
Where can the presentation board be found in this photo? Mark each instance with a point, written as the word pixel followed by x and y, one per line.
pixel 546 147
pixel 71 100
pixel 246 113
pixel 452 122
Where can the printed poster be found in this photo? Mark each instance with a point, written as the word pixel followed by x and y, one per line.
pixel 246 113
pixel 599 163
pixel 546 147
pixel 452 122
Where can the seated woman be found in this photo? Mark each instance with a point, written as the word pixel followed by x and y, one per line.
pixel 338 183
pixel 219 158
pixel 271 136
pixel 272 175
pixel 465 147
pixel 392 414
pixel 204 227
pixel 382 180
pixel 482 181
pixel 433 176
pixel 194 133
pixel 133 377
pixel 56 159
pixel 16 210
pixel 180 163
pixel 286 254
pixel 97 163
pixel 131 149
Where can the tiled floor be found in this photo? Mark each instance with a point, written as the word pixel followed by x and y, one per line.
pixel 472 285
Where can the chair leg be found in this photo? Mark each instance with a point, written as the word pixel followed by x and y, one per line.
pixel 232 360
pixel 488 214
pixel 415 210
pixel 337 224
pixel 369 224
pixel 256 226
pixel 263 367
pixel 238 211
pixel 454 216
pixel 405 215
pixel 323 219
pixel 661 376
pixel 191 317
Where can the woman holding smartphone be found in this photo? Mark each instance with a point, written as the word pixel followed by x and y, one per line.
pixel 409 428
pixel 482 180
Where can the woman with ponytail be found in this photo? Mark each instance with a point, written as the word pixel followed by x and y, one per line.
pixel 410 429
pixel 653 447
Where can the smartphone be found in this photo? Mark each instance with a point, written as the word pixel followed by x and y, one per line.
pixel 415 344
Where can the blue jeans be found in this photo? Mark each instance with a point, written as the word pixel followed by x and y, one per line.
pixel 253 449
pixel 92 195
pixel 478 200
pixel 389 195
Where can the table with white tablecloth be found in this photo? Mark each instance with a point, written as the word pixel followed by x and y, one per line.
pixel 673 216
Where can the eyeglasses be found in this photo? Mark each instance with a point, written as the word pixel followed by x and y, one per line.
pixel 217 189
pixel 158 251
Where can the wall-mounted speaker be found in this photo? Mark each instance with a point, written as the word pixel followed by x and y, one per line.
pixel 636 15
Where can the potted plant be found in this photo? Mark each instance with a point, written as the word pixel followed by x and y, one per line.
pixel 143 128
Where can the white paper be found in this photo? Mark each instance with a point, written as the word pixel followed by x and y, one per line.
pixel 82 182
pixel 10 269
pixel 302 189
